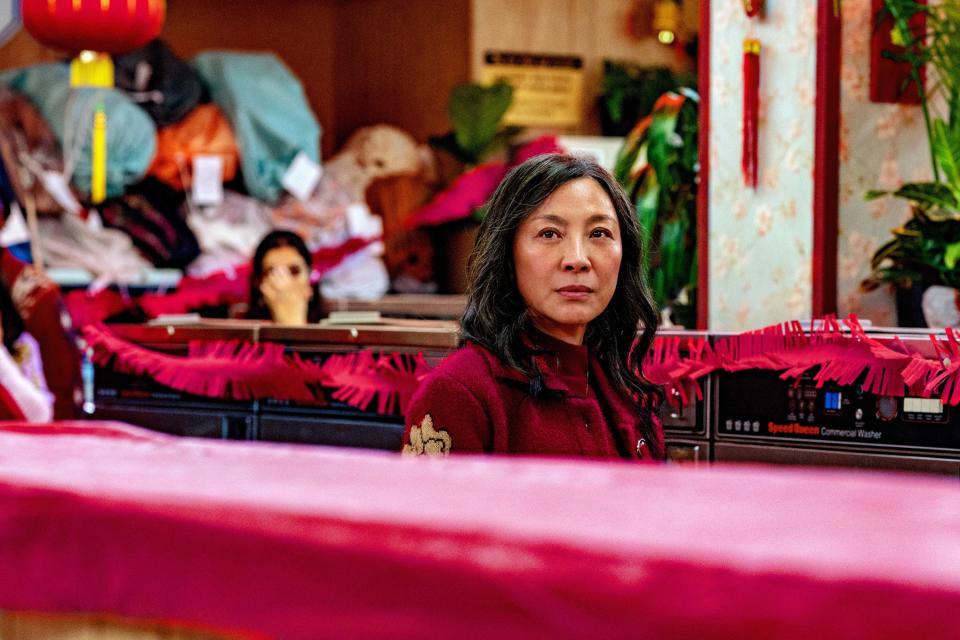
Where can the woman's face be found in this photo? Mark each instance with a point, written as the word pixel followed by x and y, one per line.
pixel 286 259
pixel 567 256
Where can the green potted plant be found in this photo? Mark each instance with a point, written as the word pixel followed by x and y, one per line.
pixel 478 135
pixel 629 91
pixel 659 168
pixel 926 249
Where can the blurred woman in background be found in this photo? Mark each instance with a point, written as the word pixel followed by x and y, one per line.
pixel 280 283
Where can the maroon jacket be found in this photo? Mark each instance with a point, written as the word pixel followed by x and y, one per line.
pixel 475 403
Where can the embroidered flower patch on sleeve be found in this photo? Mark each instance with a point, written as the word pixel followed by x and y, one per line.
pixel 426 441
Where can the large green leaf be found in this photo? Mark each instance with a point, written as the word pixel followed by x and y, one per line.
pixel 928 195
pixel 951 255
pixel 476 112
pixel 945 141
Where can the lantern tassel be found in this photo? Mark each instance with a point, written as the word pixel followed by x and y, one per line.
pixel 751 103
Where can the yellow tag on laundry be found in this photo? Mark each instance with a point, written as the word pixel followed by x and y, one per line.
pixel 91 69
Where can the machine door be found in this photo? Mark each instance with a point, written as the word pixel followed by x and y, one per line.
pixel 198 422
pixel 729 452
pixel 688 452
pixel 331 427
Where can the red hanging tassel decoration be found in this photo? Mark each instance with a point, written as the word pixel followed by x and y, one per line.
pixel 751 102
pixel 753 8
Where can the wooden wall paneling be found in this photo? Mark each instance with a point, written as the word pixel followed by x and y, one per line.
pixel 396 61
pixel 592 29
pixel 22 50
pixel 300 32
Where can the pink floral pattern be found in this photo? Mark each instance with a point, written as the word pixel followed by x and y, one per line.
pixel 760 241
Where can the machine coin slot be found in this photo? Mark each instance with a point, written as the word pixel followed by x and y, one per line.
pixel 886 408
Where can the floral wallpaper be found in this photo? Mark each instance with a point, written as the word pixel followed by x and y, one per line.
pixel 881 146
pixel 761 240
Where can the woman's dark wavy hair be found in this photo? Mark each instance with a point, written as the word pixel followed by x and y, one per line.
pixel 496 315
pixel 258 309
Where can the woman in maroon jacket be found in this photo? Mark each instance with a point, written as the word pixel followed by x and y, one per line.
pixel 550 356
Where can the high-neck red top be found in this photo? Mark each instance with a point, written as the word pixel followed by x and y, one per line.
pixel 473 402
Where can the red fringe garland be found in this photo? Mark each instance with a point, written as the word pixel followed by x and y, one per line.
pixel 245 371
pixel 946 374
pixel 361 378
pixel 751 108
pixel 676 363
pixel 840 357
pixel 221 369
pixel 87 308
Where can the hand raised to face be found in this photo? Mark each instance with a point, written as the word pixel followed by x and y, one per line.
pixel 285 285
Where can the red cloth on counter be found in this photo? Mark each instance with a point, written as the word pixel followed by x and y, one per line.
pixel 298 542
pixel 472 402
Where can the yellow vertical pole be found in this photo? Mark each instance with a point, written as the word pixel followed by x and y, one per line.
pixel 98 181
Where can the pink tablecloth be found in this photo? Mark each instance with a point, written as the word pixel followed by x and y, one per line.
pixel 297 542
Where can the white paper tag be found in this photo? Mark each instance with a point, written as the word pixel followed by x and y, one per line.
pixel 93 221
pixel 207 180
pixel 361 223
pixel 15 230
pixel 302 177
pixel 56 185
pixel 142 74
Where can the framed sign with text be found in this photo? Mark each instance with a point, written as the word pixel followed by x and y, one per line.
pixel 547 89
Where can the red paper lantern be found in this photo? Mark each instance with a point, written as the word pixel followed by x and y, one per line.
pixel 111 26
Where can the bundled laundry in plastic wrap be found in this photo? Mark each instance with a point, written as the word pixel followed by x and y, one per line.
pixel 268 111
pixel 131 143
